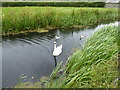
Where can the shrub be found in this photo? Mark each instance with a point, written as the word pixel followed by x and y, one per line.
pixel 54 4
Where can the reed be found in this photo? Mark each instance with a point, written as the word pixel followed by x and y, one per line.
pixel 16 19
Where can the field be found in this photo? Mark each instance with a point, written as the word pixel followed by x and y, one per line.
pixel 95 66
pixel 31 19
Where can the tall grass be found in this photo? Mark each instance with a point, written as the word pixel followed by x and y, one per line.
pixel 17 19
pixel 95 66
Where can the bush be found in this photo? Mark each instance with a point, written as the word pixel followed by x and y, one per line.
pixel 54 4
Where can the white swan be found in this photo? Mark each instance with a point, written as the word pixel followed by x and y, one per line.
pixel 57 49
pixel 81 37
pixel 56 38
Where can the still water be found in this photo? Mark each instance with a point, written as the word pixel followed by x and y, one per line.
pixel 31 54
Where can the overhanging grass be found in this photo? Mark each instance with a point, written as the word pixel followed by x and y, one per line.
pixel 95 66
pixel 16 19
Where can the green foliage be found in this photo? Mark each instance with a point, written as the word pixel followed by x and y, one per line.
pixel 55 71
pixel 16 19
pixel 54 4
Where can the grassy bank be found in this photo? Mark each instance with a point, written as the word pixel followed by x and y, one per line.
pixel 95 66
pixel 17 19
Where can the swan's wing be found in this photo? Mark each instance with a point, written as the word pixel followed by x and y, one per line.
pixel 60 46
pixel 57 51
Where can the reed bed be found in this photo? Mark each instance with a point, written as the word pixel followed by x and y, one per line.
pixel 95 66
pixel 17 19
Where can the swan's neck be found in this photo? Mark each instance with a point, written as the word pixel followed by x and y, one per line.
pixel 54 45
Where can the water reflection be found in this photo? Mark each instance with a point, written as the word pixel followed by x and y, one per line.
pixel 55 61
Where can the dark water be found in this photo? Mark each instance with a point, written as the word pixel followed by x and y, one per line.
pixel 31 54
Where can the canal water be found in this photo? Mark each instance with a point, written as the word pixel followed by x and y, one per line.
pixel 31 54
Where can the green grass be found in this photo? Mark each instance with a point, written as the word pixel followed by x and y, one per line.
pixel 17 19
pixel 95 66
